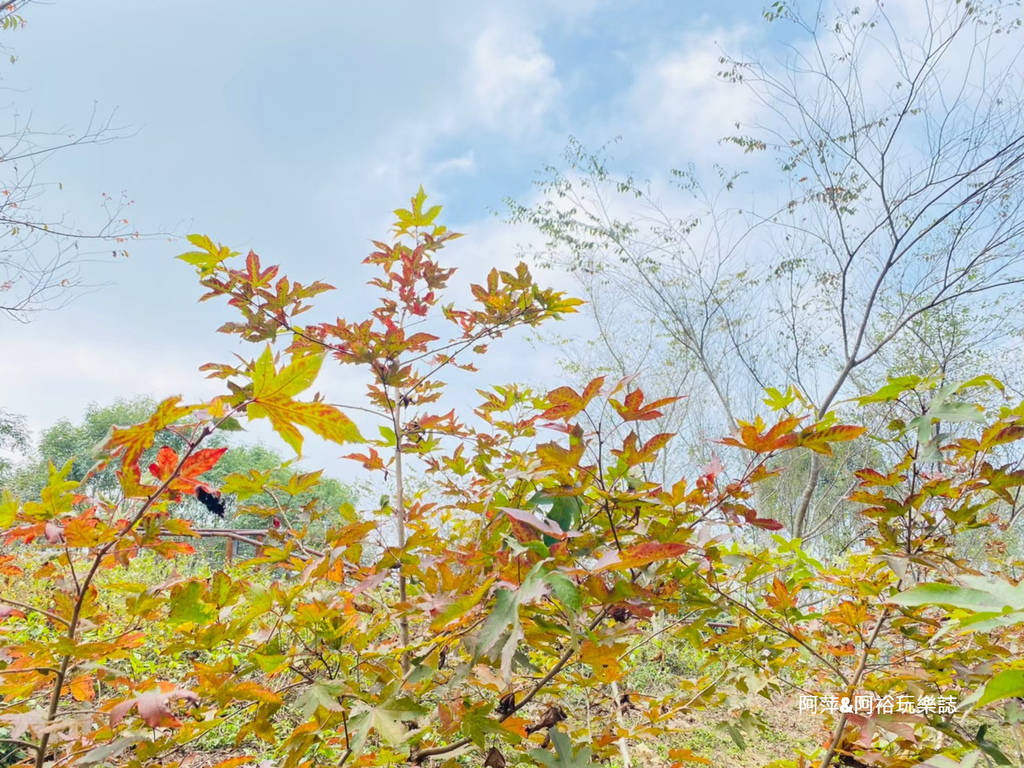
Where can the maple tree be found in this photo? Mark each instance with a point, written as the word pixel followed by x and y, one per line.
pixel 528 563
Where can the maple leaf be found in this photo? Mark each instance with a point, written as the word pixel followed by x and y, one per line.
pixel 818 439
pixel 565 402
pixel 533 521
pixel 564 756
pixel 132 442
pixel 633 408
pixel 81 688
pixel 194 465
pixel 686 756
pixel 272 398
pixel 503 621
pixel 387 719
pixel 21 722
pixel 8 508
pixel 207 259
pixel 639 555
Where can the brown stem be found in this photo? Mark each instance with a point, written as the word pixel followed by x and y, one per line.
pixel 403 621
pixel 72 625
pixel 837 735
pixel 422 754
pixel 24 670
pixel 20 743
pixel 32 608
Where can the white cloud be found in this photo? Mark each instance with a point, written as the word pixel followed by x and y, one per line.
pixel 512 80
pixel 463 164
pixel 678 101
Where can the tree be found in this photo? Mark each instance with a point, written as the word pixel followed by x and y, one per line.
pixel 65 442
pixel 903 207
pixel 13 437
pixel 41 249
pixel 537 561
pixel 79 444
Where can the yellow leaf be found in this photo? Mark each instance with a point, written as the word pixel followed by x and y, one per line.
pixel 81 689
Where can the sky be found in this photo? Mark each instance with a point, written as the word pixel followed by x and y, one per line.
pixel 295 130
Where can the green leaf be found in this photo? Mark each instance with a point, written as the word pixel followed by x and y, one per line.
pixel 566 591
pixel 186 605
pixel 986 622
pixel 563 757
pixel 505 613
pixel 985 380
pixel 386 719
pixel 1006 684
pixel 565 510
pixel 957 412
pixel 735 734
pixel 116 747
pixel 505 616
pixel 322 693
pixel 417 217
pixel 477 724
pixel 1001 590
pixel 296 377
pixel 984 597
pixel 209 255
pixel 8 508
pixel 989 748
pixel 892 390
pixel 270 663
pixel 272 399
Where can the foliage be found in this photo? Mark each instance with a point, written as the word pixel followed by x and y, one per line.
pixel 65 442
pixel 533 562
pixel 870 226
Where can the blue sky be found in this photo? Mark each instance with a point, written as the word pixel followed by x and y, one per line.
pixel 294 129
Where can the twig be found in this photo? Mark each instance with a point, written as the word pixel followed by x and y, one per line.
pixel 32 608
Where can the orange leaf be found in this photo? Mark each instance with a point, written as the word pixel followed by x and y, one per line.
pixel 686 756
pixel 639 555
pixel 165 464
pixel 565 402
pixel 233 762
pixel 515 725
pixel 131 442
pixel 81 689
pixel 632 409
pixel 201 461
